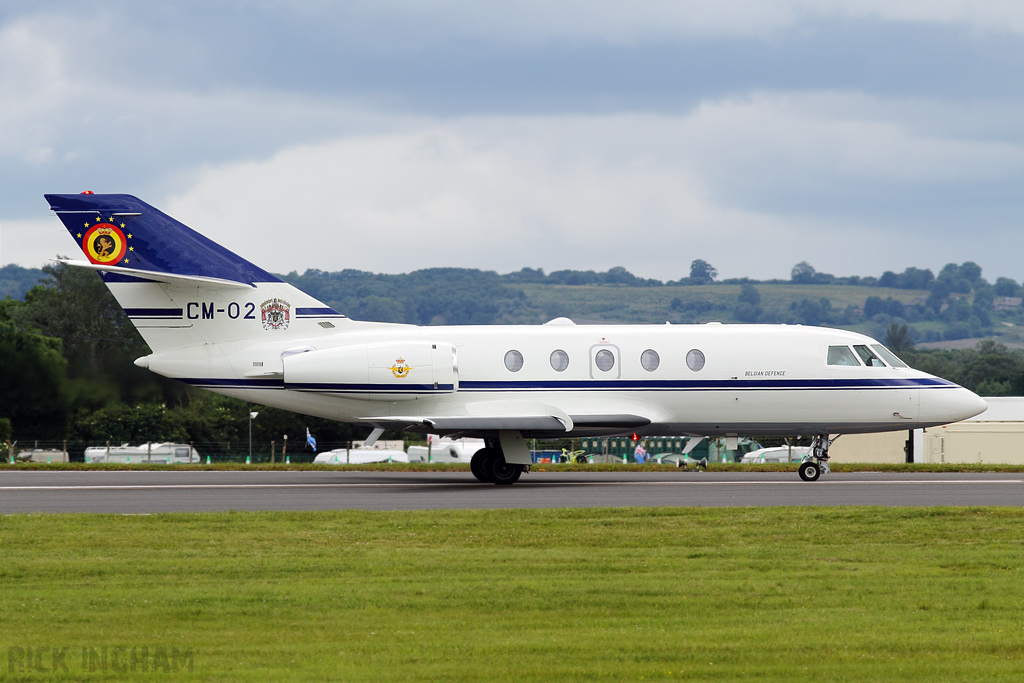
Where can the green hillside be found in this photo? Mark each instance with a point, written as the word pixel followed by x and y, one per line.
pixel 15 280
pixel 957 305
pixel 695 303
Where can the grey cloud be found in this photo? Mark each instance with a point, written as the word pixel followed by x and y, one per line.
pixel 152 97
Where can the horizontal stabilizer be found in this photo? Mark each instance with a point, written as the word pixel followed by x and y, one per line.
pixel 154 276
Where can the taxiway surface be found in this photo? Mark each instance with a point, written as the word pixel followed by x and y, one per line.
pixel 139 492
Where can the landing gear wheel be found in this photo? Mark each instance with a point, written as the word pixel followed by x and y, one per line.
pixel 810 471
pixel 504 474
pixel 481 464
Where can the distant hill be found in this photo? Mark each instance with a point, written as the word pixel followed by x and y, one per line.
pixel 957 304
pixel 15 281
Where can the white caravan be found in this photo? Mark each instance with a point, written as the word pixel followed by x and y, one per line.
pixel 217 321
pixel 157 453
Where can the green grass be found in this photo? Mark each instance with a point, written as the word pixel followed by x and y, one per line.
pixel 832 594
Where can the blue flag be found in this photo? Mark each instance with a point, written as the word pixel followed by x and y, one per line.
pixel 310 440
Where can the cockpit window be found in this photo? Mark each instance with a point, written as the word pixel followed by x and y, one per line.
pixel 870 359
pixel 888 356
pixel 841 355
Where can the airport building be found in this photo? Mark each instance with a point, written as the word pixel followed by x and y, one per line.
pixel 994 437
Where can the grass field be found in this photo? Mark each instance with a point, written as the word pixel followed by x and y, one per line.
pixel 828 594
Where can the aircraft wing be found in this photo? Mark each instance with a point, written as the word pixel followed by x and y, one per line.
pixel 521 416
pixel 611 421
pixel 463 423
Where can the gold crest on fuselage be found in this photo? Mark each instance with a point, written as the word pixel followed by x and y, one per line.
pixel 400 368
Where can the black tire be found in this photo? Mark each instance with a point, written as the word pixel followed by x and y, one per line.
pixel 504 474
pixel 810 471
pixel 481 464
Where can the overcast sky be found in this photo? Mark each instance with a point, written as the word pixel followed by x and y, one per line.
pixel 392 135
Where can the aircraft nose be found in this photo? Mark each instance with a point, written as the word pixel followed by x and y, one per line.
pixel 942 406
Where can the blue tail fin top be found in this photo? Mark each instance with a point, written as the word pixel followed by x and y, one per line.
pixel 122 230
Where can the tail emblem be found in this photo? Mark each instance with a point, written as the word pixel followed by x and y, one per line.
pixel 276 314
pixel 104 244
pixel 400 368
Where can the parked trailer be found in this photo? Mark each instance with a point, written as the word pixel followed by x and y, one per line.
pixel 446 450
pixel 42 455
pixel 156 453
pixel 361 456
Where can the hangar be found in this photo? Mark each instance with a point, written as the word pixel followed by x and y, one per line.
pixel 994 437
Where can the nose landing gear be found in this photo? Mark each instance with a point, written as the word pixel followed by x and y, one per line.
pixel 815 463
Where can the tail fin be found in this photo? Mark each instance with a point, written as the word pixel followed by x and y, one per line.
pixel 178 287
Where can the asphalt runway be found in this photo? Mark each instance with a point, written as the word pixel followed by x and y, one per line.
pixel 142 492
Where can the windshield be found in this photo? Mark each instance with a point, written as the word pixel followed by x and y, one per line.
pixel 888 356
pixel 841 355
pixel 870 359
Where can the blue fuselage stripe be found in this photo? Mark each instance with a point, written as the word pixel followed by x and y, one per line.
pixel 379 388
pixel 153 312
pixel 704 385
pixel 592 385
pixel 317 313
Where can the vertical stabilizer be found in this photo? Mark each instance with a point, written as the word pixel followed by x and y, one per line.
pixel 178 287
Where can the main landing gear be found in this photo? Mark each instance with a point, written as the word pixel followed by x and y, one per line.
pixel 815 463
pixel 489 466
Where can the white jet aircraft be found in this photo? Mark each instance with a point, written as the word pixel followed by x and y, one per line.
pixel 217 321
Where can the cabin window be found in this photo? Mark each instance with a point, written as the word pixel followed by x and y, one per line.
pixel 869 358
pixel 514 361
pixel 559 360
pixel 888 356
pixel 605 360
pixel 650 360
pixel 695 360
pixel 841 355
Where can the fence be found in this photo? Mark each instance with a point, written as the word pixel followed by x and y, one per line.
pixel 216 451
pixel 226 451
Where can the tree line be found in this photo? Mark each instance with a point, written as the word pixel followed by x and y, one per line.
pixel 67 349
pixel 67 361
pixel 952 279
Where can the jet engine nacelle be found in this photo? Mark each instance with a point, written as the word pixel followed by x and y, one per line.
pixel 391 371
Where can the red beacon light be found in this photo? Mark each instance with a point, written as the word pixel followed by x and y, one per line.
pixel 635 437
pixel 88 192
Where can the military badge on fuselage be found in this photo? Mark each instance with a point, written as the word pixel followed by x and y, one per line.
pixel 400 368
